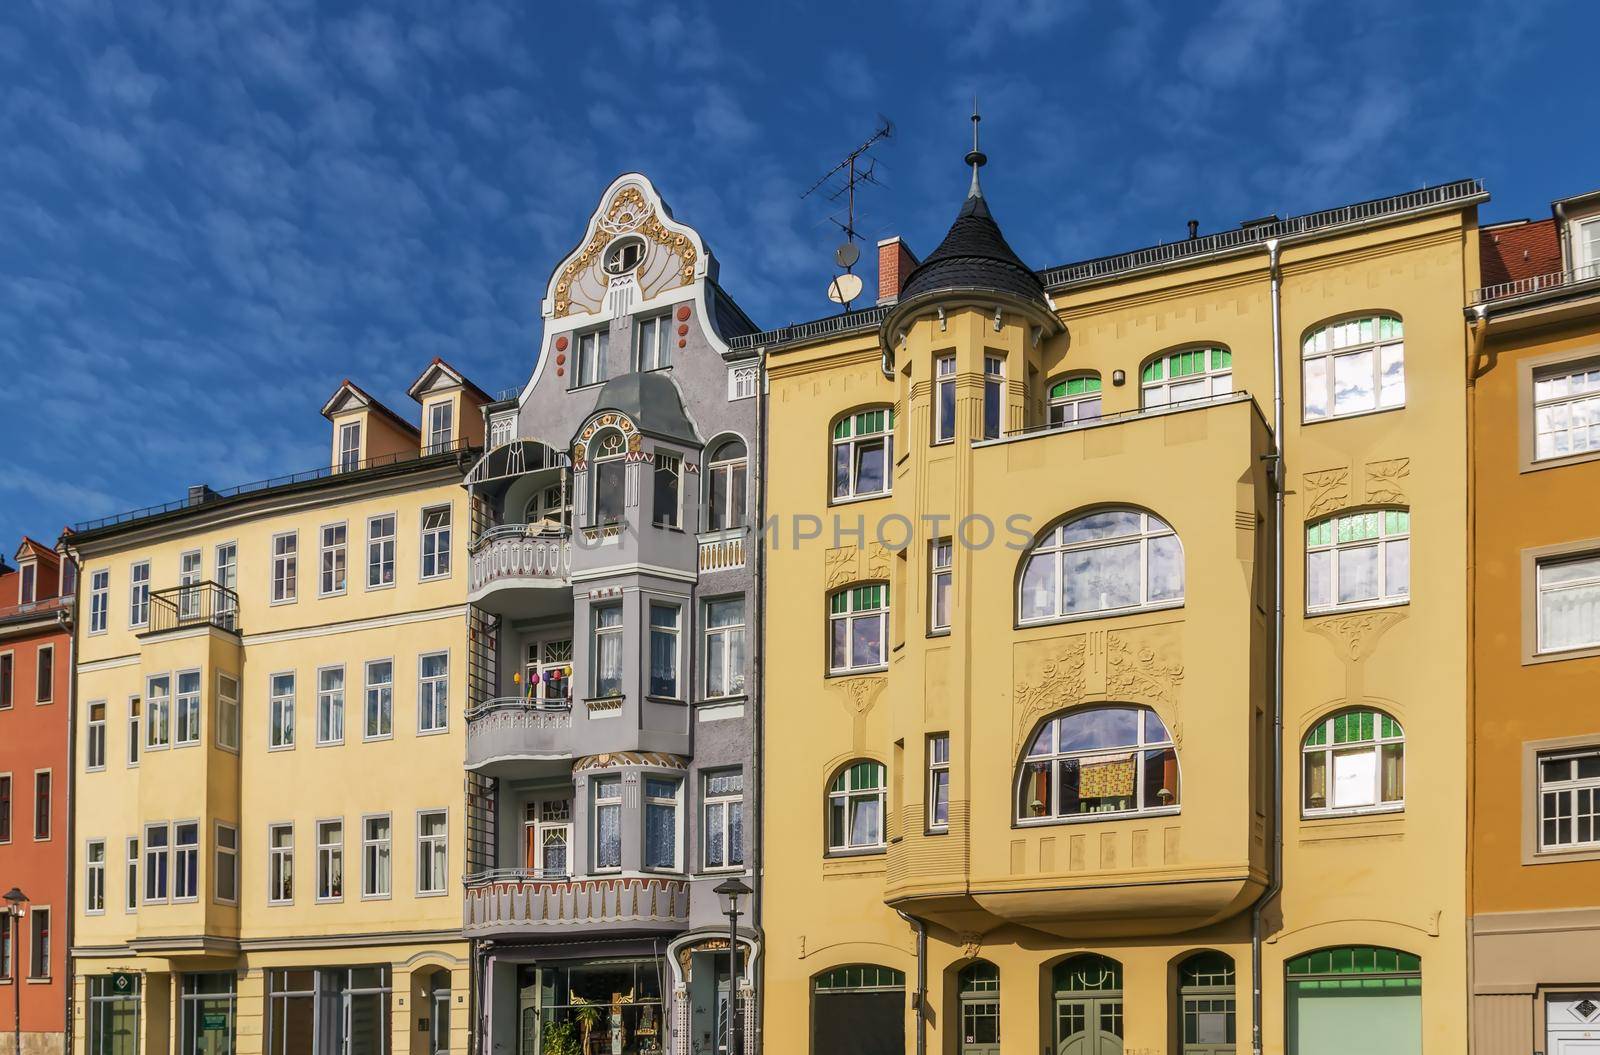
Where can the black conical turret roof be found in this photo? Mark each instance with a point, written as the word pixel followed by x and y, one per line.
pixel 974 255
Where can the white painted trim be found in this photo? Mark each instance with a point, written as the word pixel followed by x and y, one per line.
pixel 636 569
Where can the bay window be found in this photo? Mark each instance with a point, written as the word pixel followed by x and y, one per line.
pixel 664 650
pixel 1097 762
pixel 606 793
pixel 607 650
pixel 661 822
pixel 609 469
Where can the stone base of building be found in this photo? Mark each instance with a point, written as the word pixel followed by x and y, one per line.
pixel 34 1043
pixel 1536 981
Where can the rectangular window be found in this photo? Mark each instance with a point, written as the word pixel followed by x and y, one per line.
pixel 280 864
pixel 723 819
pixel 99 600
pixel 130 877
pixel 502 429
pixel 432 852
pixel 41 805
pixel 725 647
pixel 436 542
pixel 941 561
pixel 1569 800
pixel 94 747
pixel 332 560
pixel 858 620
pixel 1569 603
pixel 158 697
pixel 330 705
pixel 38 943
pixel 5 807
pixel 380 699
pixel 285 567
pixel 25 589
pixel 225 867
pixel 433 693
pixel 1566 409
pixel 380 552
pixel 610 486
pixel 94 876
pixel 1358 560
pixel 590 365
pixel 186 708
pixel 664 650
pixel 45 689
pixel 349 446
pixel 994 391
pixel 156 862
pixel 186 861
pixel 944 422
pixel 281 711
pixel 607 795
pixel 608 650
pixel 8 947
pixel 664 511
pixel 376 857
pixel 652 347
pixel 863 454
pixel 227 577
pixel 330 860
pixel 135 736
pixel 727 486
pixel 190 571
pixel 228 712
pixel 441 426
pixel 139 594
pixel 8 667
pixel 661 822
pixel 939 782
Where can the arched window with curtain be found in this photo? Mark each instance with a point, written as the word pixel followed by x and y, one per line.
pixel 1354 762
pixel 1207 1004
pixel 726 476
pixel 1109 561
pixel 608 476
pixel 1354 367
pixel 1075 398
pixel 863 453
pixel 857 805
pixel 1184 375
pixel 1358 560
pixel 1099 762
pixel 978 990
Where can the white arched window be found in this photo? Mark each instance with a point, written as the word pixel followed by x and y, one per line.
pixel 1354 762
pixel 1099 761
pixel 1358 560
pixel 863 453
pixel 1110 561
pixel 608 456
pixel 726 473
pixel 1353 367
pixel 1074 399
pixel 1192 373
pixel 856 807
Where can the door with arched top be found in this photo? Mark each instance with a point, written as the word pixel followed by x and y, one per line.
pixel 979 993
pixel 1088 1006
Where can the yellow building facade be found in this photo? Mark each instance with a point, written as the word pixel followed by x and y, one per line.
pixel 1026 763
pixel 268 813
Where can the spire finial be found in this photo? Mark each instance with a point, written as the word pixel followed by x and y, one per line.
pixel 976 158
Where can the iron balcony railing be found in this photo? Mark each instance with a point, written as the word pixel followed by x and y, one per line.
pixel 1522 287
pixel 1236 396
pixel 12 612
pixel 833 324
pixel 193 604
pixel 501 901
pixel 517 551
pixel 521 705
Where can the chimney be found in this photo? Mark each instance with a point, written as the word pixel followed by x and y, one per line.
pixel 1194 229
pixel 1260 221
pixel 895 264
pixel 199 493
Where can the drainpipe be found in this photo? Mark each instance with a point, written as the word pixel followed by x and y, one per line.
pixel 1276 477
pixel 1478 336
pixel 920 1003
pixel 757 720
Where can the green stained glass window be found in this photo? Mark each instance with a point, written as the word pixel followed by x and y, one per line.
pixel 860 776
pixel 1355 960
pixel 841 429
pixel 1152 371
pixel 1221 359
pixel 1074 386
pixel 859 976
pixel 1319 736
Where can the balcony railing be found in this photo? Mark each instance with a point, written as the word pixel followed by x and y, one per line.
pixel 1523 287
pixel 722 550
pixel 193 604
pixel 519 551
pixel 513 899
pixel 544 708
pixel 1126 415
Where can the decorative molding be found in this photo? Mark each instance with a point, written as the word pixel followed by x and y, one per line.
pixel 1386 481
pixel 1326 490
pixel 1140 672
pixel 971 944
pixel 839 566
pixel 1354 636
pixel 613 759
pixel 877 562
pixel 1060 684
pixel 860 694
pixel 628 212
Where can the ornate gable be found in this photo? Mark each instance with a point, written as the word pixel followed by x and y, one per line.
pixel 669 255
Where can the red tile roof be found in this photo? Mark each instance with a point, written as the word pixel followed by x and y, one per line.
pixel 1518 250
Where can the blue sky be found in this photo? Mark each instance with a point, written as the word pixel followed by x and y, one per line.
pixel 211 211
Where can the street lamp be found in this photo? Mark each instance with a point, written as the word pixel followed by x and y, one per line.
pixel 15 899
pixel 732 889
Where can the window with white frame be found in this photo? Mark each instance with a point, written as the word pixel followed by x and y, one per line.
pixel 436 542
pixel 280 864
pixel 433 692
pixel 1566 410
pixel 191 569
pixel 661 822
pixel 938 792
pixel 589 357
pixel 941 562
pixel 652 342
pixel 94 748
pixel 725 486
pixel 330 860
pixel 44 689
pixel 225 865
pixel 42 780
pixel 94 877
pixel 432 852
pixel 664 652
pixel 441 426
pixel 606 793
pixel 725 647
pixel 377 856
pixel 547 673
pixel 1353 762
pixel 27 588
pixel 158 698
pixel 285 567
pixel 39 942
pixel 139 594
pixel 330 705
pixel 280 711
pixel 380 699
pixel 1353 367
pixel 1586 250
pixel 1181 376
pixel 744 381
pixel 944 399
pixel 135 729
pixel 722 808
pixel 1358 560
pixel 8 678
pixel 863 453
pixel 380 551
pixel 99 600
pixel 130 875
pixel 858 624
pixel 186 709
pixel 1109 561
pixel 1568 602
pixel 994 395
pixel 502 429
pixel 856 808
pixel 1098 761
pixel 609 468
pixel 607 650
pixel 227 576
pixel 227 712
pixel 332 560
pixel 349 446
pixel 547 837
pixel 666 501
pixel 5 807
pixel 156 862
pixel 1569 799
pixel 186 861
pixel 1075 399
pixel 624 255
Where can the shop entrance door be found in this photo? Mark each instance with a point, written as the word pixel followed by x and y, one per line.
pixel 1089 1026
pixel 207 1026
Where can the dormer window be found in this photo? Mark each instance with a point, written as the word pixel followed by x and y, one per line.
pixel 349 446
pixel 441 426
pixel 1586 248
pixel 624 255
pixel 29 584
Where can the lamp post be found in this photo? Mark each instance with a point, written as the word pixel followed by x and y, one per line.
pixel 15 900
pixel 732 889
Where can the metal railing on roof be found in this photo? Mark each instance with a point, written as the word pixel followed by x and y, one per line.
pixel 1521 287
pixel 39 607
pixel 1238 395
pixel 864 319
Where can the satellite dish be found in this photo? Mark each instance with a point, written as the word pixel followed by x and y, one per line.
pixel 847 255
pixel 844 288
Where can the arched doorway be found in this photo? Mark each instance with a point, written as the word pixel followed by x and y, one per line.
pixel 1088 999
pixel 1206 1004
pixel 979 992
pixel 858 1009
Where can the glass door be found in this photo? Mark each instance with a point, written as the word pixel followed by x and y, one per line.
pixel 547 834
pixel 439 1015
pixel 208 1019
pixel 547 676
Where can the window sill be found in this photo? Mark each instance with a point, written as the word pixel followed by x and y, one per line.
pixel 1352 414
pixel 380 587
pixel 846 500
pixel 858 671
pixel 331 593
pixel 434 732
pixel 653 698
pixel 377 739
pixel 441 577
pixel 1372 606
pixel 1559 461
pixel 738 697
pixel 1568 855
pixel 1097 818
pixel 939 631
pixel 284 601
pixel 850 855
pixel 1556 656
pixel 1367 815
pixel 1111 613
pixel 591 384
pixel 431 893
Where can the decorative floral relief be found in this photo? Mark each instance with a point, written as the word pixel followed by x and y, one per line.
pixel 1355 636
pixel 1326 490
pixel 877 561
pixel 1386 481
pixel 1060 684
pixel 839 566
pixel 627 213
pixel 860 693
pixel 1139 673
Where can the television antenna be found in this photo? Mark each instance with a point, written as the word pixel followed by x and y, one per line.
pixel 856 168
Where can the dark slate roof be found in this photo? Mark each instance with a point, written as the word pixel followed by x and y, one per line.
pixel 974 255
pixel 651 400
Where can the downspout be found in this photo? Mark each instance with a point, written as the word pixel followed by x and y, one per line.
pixel 920 1001
pixel 1478 336
pixel 758 968
pixel 69 622
pixel 1276 478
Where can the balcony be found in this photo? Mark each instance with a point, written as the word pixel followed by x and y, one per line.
pixel 722 550
pixel 1535 287
pixel 507 560
pixel 512 902
pixel 513 735
pixel 193 605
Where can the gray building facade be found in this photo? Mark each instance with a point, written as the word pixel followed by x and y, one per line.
pixel 611 752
